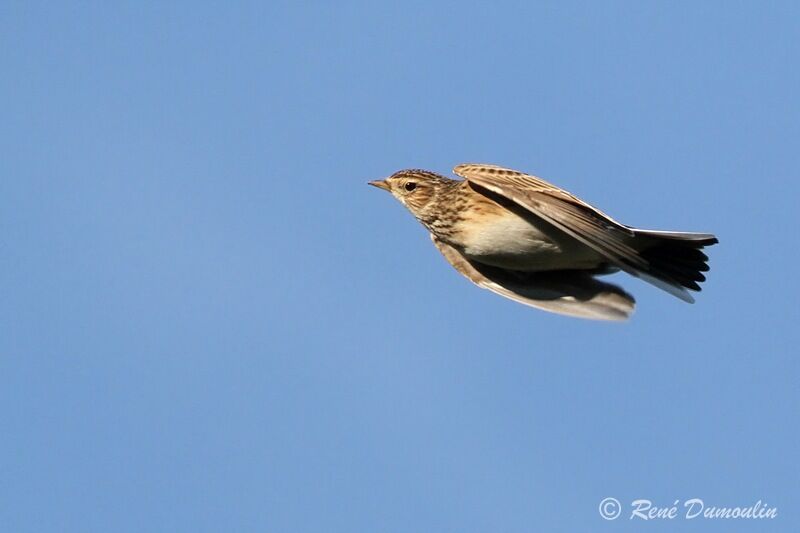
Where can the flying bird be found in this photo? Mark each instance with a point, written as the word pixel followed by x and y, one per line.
pixel 528 240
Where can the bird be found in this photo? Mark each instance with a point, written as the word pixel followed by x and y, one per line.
pixel 530 241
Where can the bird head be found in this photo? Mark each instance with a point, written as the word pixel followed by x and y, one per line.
pixel 416 189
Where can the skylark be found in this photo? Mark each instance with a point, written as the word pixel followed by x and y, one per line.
pixel 527 240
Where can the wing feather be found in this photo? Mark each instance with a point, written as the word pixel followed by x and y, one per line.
pixel 570 293
pixel 569 214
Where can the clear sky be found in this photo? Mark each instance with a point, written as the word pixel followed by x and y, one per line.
pixel 209 322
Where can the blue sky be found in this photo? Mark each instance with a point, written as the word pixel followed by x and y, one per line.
pixel 210 323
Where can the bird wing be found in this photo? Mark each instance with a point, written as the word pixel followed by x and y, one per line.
pixel 570 293
pixel 569 214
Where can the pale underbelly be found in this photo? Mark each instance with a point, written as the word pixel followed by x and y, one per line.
pixel 515 243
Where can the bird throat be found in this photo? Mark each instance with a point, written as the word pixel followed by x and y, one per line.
pixel 443 214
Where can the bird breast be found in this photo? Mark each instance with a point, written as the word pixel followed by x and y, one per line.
pixel 504 239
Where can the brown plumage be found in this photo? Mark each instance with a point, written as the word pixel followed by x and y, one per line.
pixel 528 240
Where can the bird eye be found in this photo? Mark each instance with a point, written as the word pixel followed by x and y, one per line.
pixel 410 186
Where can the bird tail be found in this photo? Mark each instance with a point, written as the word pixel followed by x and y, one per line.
pixel 675 259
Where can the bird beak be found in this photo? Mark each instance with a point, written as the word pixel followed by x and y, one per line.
pixel 381 184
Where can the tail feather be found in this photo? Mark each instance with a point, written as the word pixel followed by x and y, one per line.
pixel 675 260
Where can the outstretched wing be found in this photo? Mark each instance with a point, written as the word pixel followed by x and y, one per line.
pixel 571 215
pixel 570 293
